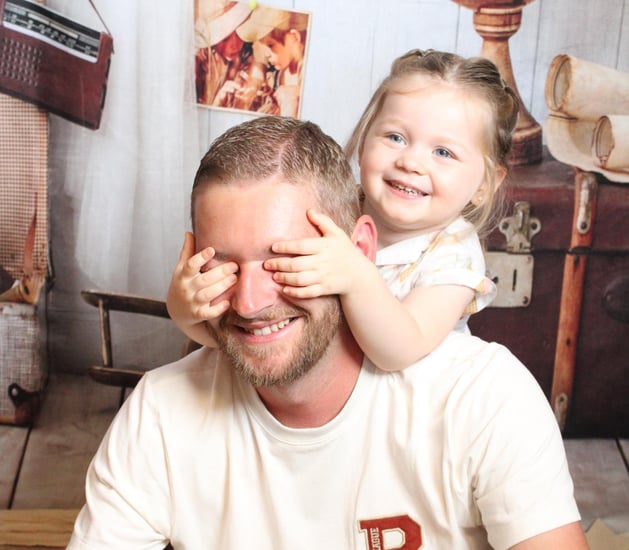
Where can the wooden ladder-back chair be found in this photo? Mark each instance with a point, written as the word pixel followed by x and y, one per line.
pixel 106 302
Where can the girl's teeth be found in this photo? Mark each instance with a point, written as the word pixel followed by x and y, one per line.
pixel 270 328
pixel 405 189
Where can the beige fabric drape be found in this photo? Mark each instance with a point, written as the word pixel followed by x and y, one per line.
pixel 128 183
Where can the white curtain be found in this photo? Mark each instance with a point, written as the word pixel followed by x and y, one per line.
pixel 129 181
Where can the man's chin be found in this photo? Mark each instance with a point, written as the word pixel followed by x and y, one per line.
pixel 265 368
pixel 286 360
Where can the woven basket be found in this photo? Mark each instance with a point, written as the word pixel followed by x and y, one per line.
pixel 22 371
pixel 23 186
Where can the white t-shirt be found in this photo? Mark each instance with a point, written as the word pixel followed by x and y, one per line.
pixel 460 450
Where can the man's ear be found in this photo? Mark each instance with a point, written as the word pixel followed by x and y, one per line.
pixel 365 236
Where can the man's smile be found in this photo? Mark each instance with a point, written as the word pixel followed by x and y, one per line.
pixel 268 329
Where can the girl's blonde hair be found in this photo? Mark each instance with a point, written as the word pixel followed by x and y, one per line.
pixel 476 75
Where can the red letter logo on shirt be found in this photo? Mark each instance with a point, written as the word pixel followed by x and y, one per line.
pixel 374 530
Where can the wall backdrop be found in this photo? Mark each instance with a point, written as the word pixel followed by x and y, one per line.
pixel 119 196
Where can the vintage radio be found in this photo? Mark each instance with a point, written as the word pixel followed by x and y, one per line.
pixel 53 62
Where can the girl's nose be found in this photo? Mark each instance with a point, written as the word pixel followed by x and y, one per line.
pixel 411 161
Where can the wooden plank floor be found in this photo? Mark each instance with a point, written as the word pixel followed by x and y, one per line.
pixel 44 468
pixel 74 417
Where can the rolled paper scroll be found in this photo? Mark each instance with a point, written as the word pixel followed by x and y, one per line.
pixel 610 144
pixel 582 95
pixel 585 90
pixel 569 140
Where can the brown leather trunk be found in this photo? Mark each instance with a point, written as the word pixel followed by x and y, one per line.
pixel 573 334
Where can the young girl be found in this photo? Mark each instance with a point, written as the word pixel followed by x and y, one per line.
pixel 432 147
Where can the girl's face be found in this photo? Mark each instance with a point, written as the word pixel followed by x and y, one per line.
pixel 423 158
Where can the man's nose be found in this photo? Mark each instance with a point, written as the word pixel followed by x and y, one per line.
pixel 254 291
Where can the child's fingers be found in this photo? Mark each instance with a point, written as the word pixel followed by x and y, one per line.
pixel 313 291
pixel 212 311
pixel 299 246
pixel 187 249
pixel 290 265
pixel 300 279
pixel 303 247
pixel 210 292
pixel 195 263
pixel 204 287
pixel 191 265
pixel 324 223
pixel 212 276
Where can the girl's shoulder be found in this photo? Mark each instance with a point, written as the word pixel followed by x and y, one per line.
pixel 460 228
pixel 460 234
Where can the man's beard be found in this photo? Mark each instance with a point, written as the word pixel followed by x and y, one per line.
pixel 250 362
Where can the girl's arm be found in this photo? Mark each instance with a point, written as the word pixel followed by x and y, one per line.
pixel 192 289
pixel 392 333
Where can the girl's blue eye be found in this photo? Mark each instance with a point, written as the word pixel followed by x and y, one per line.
pixel 443 153
pixel 396 138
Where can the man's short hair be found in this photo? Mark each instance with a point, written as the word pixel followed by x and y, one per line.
pixel 298 151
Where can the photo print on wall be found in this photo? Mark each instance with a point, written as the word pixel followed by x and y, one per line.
pixel 249 57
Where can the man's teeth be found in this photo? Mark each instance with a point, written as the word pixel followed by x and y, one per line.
pixel 406 190
pixel 265 331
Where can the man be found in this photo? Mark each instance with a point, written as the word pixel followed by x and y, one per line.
pixel 287 437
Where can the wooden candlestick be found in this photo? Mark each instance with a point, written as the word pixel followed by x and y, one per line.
pixel 496 21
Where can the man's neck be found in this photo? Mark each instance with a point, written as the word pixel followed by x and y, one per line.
pixel 319 395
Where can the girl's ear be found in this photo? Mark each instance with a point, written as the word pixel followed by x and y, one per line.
pixel 481 192
pixel 365 236
pixel 501 174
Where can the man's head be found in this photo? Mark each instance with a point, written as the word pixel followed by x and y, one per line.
pixel 297 151
pixel 252 189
